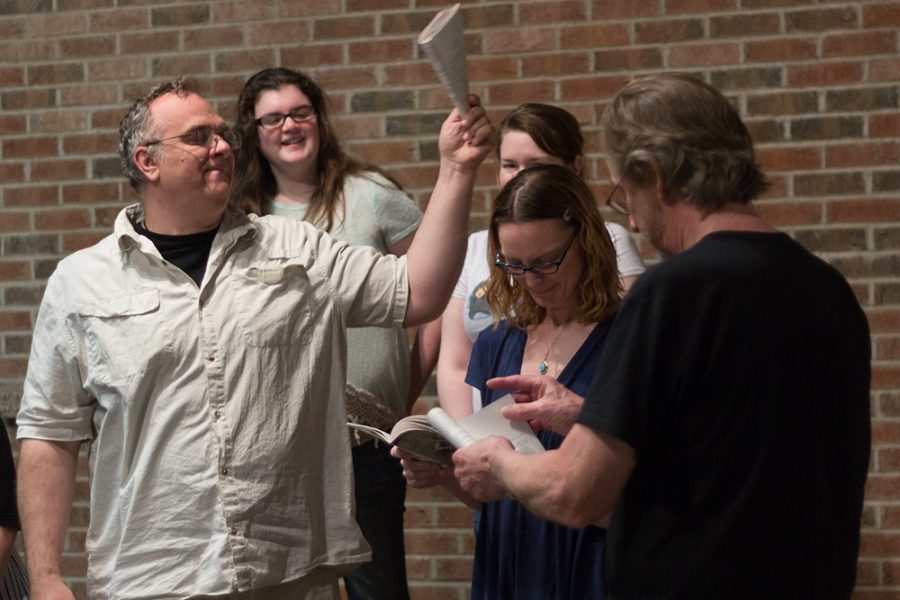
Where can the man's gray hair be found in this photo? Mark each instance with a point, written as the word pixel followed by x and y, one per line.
pixel 137 126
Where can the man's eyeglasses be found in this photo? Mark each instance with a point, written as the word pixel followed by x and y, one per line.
pixel 618 200
pixel 542 268
pixel 203 137
pixel 297 115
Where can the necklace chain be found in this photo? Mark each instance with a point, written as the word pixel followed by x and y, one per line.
pixel 544 366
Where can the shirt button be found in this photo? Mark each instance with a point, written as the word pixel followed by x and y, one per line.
pixel 210 357
pixel 234 531
pixel 217 414
pixel 224 471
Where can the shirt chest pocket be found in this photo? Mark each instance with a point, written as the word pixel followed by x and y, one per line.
pixel 125 335
pixel 274 305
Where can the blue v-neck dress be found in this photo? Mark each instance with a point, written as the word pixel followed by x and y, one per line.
pixel 518 555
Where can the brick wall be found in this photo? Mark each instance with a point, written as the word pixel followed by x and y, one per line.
pixel 816 80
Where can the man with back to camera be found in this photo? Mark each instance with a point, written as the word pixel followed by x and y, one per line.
pixel 203 353
pixel 729 428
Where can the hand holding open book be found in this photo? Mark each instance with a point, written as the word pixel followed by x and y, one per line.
pixel 436 436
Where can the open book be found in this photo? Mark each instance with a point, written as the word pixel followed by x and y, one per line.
pixel 442 42
pixel 436 436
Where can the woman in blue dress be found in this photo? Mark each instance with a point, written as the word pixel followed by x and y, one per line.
pixel 554 291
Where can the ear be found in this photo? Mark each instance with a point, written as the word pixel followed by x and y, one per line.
pixel 146 164
pixel 578 165
pixel 662 191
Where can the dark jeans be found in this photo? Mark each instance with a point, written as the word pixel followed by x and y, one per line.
pixel 380 494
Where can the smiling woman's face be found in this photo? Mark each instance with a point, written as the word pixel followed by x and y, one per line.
pixel 519 151
pixel 291 148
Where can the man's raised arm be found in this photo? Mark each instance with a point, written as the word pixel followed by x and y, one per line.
pixel 435 257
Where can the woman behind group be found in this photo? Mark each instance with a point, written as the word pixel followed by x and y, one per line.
pixel 554 287
pixel 531 134
pixel 292 164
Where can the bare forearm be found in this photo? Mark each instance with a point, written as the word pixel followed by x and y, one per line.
pixel 576 485
pixel 46 481
pixel 423 357
pixel 435 258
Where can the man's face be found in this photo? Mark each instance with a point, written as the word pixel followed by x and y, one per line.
pixel 646 213
pixel 190 171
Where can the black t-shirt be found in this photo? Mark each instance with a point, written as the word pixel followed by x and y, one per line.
pixel 187 252
pixel 9 516
pixel 739 373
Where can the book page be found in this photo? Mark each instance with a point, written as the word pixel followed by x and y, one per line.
pixel 450 429
pixel 414 435
pixel 442 42
pixel 488 421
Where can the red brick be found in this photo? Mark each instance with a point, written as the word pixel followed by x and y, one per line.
pixel 859 44
pixel 416 177
pixel 117 69
pixel 242 10
pixel 592 36
pixel 55 74
pixel 556 64
pixel 884 69
pixel 60 121
pixel 881 15
pixel 12 124
pixel 148 43
pixel 780 50
pixel 88 95
pixel 690 55
pixel 26 50
pixel 791 213
pixel 890 517
pixel 862 154
pixel 381 51
pixel 57 170
pixel 629 59
pixel 884 320
pixel 453 569
pixel 76 241
pixel 867 572
pixel 175 66
pixel 541 13
pixel 312 55
pixel 365 5
pixel 62 219
pixel 31 196
pixel 11 270
pixel 666 31
pixel 292 8
pixel 358 126
pixel 89 193
pixel 431 542
pixel 884 125
pixel 12 76
pixel 15 320
pixel 883 487
pixel 519 40
pixel 624 9
pixel 344 27
pixel 88 47
pixel 818 74
pixel 846 211
pixel 224 37
pixel 243 60
pixel 790 158
pixel 381 152
pixel 346 78
pixel 820 19
pixel 591 88
pixel 675 7
pixel 888 460
pixel 13 367
pixel 15 221
pixel 90 143
pixel 542 90
pixel 483 68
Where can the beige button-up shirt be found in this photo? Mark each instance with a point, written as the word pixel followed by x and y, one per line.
pixel 220 458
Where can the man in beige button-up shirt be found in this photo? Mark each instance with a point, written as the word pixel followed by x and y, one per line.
pixel 203 353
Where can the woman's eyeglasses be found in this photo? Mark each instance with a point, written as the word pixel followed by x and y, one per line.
pixel 618 200
pixel 542 268
pixel 297 115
